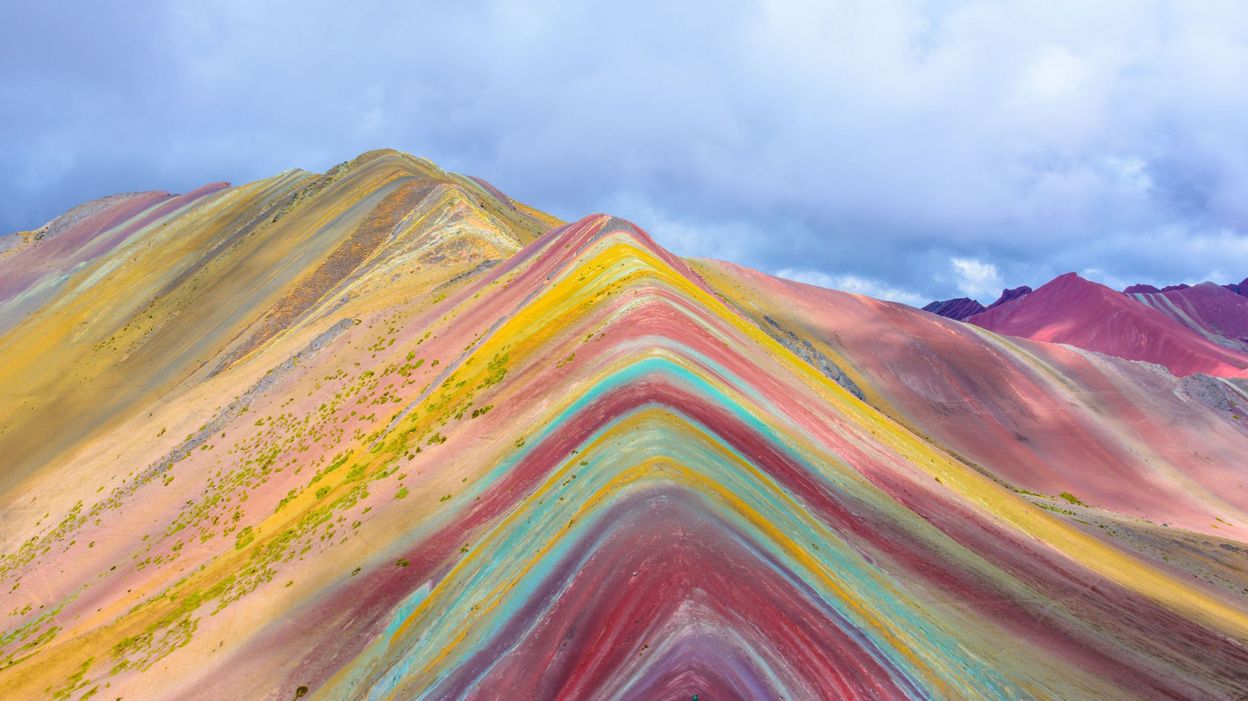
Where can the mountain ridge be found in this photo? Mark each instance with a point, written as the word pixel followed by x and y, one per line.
pixel 412 441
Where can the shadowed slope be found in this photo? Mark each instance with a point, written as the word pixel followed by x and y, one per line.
pixel 958 309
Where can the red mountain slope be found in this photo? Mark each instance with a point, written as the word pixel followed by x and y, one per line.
pixel 1081 313
pixel 1213 311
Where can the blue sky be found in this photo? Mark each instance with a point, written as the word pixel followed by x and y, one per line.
pixel 910 150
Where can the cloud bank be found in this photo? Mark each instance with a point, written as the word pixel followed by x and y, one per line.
pixel 879 141
pixel 976 278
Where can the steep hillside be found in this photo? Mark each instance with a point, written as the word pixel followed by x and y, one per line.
pixel 374 434
pixel 110 311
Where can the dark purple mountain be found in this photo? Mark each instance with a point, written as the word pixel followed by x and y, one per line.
pixel 959 308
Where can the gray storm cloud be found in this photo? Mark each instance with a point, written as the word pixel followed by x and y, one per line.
pixel 907 149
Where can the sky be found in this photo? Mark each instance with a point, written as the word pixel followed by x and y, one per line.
pixel 906 150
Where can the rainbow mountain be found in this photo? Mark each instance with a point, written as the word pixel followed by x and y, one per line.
pixel 385 433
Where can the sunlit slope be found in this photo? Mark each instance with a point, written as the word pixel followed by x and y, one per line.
pixel 126 306
pixel 575 474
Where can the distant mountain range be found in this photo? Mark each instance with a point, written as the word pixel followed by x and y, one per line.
pixel 1185 328
pixel 386 433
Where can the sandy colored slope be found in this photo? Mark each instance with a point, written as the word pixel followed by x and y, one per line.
pixel 202 285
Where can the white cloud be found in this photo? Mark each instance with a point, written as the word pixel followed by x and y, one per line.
pixel 852 283
pixel 876 137
pixel 684 237
pixel 976 278
pixel 1131 173
pixel 1055 74
pixel 1110 280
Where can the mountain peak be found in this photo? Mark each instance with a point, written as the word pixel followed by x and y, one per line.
pixel 383 158
pixel 1072 279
